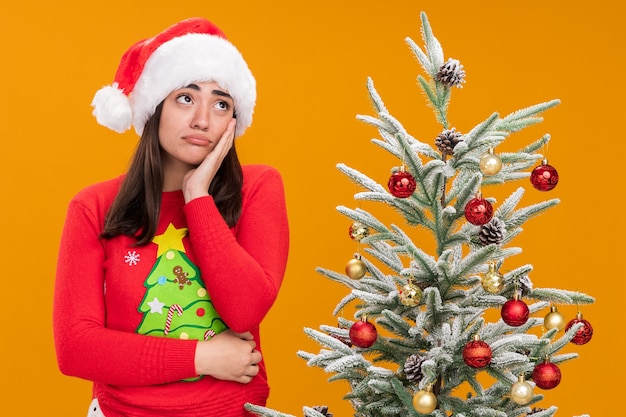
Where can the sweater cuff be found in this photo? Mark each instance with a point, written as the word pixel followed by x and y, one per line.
pixel 203 207
pixel 207 224
pixel 176 358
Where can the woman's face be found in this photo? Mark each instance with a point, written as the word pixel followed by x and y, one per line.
pixel 192 122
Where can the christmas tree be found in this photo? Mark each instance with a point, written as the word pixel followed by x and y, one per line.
pixel 176 303
pixel 422 343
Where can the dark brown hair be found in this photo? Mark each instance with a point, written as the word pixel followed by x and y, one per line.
pixel 135 210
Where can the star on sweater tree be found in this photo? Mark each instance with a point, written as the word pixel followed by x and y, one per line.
pixel 421 344
pixel 176 303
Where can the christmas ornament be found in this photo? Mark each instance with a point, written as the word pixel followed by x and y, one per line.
pixel 424 402
pixel 492 232
pixel 521 391
pixel 478 211
pixel 323 410
pixel 410 294
pixel 358 231
pixel 356 268
pixel 583 335
pixel 401 184
pixel 544 177
pixel 477 353
pixel 490 164
pixel 554 319
pixel 447 140
pixel 515 312
pixel 492 281
pixel 363 334
pixel 451 74
pixel 413 368
pixel 546 375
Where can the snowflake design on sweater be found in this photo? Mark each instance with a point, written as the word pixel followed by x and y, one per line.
pixel 132 258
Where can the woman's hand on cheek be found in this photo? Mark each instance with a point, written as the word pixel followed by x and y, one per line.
pixel 196 182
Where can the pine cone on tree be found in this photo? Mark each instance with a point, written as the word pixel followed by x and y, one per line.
pixel 413 368
pixel 492 232
pixel 447 140
pixel 451 74
pixel 525 285
pixel 535 410
pixel 322 409
pixel 343 338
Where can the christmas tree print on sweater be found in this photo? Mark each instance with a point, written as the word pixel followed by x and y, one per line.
pixel 176 303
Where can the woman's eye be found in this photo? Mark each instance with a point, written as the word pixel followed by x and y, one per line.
pixel 184 99
pixel 222 105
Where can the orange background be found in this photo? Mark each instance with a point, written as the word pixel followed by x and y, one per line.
pixel 311 60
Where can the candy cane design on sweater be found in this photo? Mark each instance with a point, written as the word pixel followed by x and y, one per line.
pixel 170 314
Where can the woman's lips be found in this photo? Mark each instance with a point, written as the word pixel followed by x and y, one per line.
pixel 197 140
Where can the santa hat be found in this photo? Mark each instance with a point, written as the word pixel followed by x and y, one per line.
pixel 194 50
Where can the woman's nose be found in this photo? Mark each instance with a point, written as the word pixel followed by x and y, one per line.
pixel 200 118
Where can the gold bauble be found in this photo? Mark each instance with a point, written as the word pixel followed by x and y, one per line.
pixel 358 231
pixel 410 295
pixel 492 281
pixel 356 269
pixel 490 164
pixel 424 402
pixel 521 392
pixel 554 320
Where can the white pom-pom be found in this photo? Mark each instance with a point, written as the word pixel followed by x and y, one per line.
pixel 112 108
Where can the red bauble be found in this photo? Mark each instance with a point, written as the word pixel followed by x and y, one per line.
pixel 478 211
pixel 363 334
pixel 477 354
pixel 583 335
pixel 546 375
pixel 515 312
pixel 401 184
pixel 544 177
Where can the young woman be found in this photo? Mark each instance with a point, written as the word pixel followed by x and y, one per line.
pixel 165 273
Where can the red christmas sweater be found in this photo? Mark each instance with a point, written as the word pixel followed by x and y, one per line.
pixel 107 291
